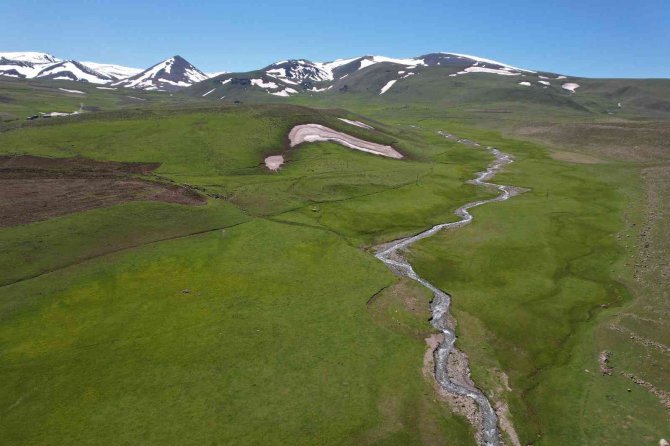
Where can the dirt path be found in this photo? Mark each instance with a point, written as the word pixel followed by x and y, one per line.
pixel 391 255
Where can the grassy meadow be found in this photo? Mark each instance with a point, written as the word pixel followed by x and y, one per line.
pixel 262 316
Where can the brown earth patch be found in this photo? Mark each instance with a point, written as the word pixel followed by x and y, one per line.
pixel 37 188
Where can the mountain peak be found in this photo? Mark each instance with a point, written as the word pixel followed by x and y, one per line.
pixel 169 75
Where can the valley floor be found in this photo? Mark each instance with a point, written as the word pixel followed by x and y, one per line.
pixel 263 317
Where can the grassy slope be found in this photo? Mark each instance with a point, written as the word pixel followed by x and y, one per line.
pixel 22 98
pixel 111 347
pixel 272 344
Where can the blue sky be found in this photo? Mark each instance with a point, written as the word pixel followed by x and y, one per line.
pixel 599 38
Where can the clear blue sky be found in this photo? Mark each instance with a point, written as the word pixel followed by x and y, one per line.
pixel 604 38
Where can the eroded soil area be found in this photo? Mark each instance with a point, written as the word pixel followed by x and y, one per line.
pixel 37 188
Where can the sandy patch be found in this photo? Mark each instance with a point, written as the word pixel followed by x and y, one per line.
pixel 316 132
pixel 274 162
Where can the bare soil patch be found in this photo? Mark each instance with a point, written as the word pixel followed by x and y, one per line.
pixel 36 188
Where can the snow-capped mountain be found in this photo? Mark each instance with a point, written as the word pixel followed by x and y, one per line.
pixel 73 71
pixel 170 75
pixel 283 78
pixel 380 73
pixel 30 57
pixel 25 64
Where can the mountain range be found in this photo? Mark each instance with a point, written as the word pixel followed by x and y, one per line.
pixel 282 78
pixel 169 75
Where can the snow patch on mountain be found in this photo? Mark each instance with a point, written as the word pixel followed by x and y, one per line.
pixel 285 92
pixel 475 69
pixel 115 71
pixel 488 61
pixel 262 84
pixel 388 85
pixel 570 86
pixel 72 91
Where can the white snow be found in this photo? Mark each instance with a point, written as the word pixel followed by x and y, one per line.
pixel 55 114
pixel 74 70
pixel 410 63
pixel 544 82
pixel 105 88
pixel 139 99
pixel 490 61
pixel 285 92
pixel 116 71
pixel 561 77
pixel 226 81
pixel 525 84
pixel 366 63
pixel 30 57
pixel 215 73
pixel 209 92
pixel 570 86
pixel 336 63
pixel 71 91
pixel 357 123
pixel 408 75
pixel 388 85
pixel 321 89
pixel 263 84
pixel 473 69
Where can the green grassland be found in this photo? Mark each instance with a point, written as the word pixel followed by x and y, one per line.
pixel 262 317
pixel 100 344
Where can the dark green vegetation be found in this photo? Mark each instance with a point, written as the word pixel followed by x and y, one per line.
pixel 260 317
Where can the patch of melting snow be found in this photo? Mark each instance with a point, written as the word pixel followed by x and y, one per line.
pixel 388 85
pixel 320 89
pixel 72 91
pixel 503 71
pixel 544 83
pixel 285 92
pixel 139 99
pixel 570 86
pixel 317 132
pixel 525 84
pixel 263 84
pixel 226 81
pixel 357 123
pixel 209 92
pixel 106 88
pixel 274 162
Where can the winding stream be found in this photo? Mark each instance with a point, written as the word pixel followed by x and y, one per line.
pixel 441 302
